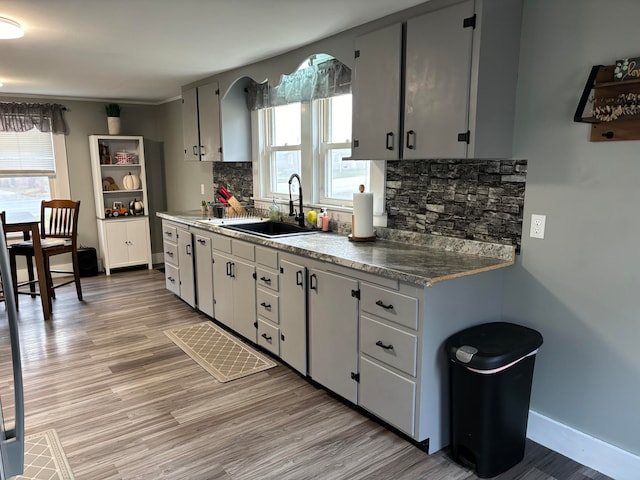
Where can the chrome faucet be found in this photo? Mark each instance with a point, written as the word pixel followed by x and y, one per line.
pixel 299 217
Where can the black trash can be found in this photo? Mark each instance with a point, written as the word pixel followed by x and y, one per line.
pixel 491 369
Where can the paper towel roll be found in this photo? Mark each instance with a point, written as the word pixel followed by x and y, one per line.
pixel 362 215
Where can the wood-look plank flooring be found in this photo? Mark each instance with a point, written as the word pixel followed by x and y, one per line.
pixel 127 403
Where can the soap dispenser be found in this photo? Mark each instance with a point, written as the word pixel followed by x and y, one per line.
pixel 274 211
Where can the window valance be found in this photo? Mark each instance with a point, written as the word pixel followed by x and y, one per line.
pixel 324 80
pixel 22 117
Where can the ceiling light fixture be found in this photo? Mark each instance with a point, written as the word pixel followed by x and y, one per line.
pixel 10 29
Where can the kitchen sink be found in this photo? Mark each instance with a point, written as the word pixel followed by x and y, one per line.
pixel 271 229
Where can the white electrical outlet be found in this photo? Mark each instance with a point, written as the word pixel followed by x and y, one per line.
pixel 537 225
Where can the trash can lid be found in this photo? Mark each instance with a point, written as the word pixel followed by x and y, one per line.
pixel 492 345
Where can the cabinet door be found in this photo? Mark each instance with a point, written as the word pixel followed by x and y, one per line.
pixel 437 81
pixel 244 299
pixel 190 124
pixel 333 327
pixel 137 241
pixel 116 236
pixel 223 291
pixel 376 95
pixel 185 261
pixel 204 274
pixel 293 315
pixel 209 122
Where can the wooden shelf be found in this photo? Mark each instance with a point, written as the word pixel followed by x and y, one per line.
pixel 600 85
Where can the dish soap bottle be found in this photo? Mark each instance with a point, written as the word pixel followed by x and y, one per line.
pixel 274 211
pixel 319 219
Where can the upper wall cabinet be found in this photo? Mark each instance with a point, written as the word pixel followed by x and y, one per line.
pixel 236 123
pixel 201 123
pixel 457 84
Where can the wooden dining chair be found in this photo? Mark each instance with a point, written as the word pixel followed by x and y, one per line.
pixel 58 235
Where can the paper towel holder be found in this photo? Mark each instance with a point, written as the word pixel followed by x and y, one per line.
pixel 353 238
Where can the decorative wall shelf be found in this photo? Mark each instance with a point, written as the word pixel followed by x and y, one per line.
pixel 600 90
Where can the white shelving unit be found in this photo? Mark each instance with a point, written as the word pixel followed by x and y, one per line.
pixel 121 213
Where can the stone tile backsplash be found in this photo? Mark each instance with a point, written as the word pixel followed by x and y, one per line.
pixel 471 199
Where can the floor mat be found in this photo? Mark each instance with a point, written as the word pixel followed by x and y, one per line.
pixel 44 458
pixel 218 352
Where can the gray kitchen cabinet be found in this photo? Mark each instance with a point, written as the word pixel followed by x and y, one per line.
pixel 293 312
pixel 333 332
pixel 201 123
pixel 376 95
pixel 235 286
pixel 185 261
pixel 178 261
pixel 204 272
pixel 268 299
pixel 461 65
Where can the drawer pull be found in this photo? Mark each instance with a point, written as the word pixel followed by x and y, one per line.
pixel 380 303
pixel 382 345
pixel 169 253
pixel 266 280
pixel 266 306
pixel 171 279
pixel 201 241
pixel 266 337
pixel 168 234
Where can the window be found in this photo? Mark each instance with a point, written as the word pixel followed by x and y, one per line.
pixel 33 167
pixel 310 139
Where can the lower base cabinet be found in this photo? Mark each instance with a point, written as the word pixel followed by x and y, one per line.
pixel 388 395
pixel 333 332
pixel 124 242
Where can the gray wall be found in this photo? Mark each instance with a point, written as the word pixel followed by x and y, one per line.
pixel 579 286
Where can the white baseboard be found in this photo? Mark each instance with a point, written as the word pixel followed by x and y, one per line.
pixel 585 449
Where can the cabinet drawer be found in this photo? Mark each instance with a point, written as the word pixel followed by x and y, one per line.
pixel 170 253
pixel 244 250
pixel 267 257
pixel 268 305
pixel 172 278
pixel 393 306
pixel 269 337
pixel 387 395
pixel 389 345
pixel 221 243
pixel 170 233
pixel 267 279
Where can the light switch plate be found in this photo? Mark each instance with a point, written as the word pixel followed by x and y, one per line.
pixel 537 225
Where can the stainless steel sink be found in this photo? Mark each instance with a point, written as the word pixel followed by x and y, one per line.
pixel 271 229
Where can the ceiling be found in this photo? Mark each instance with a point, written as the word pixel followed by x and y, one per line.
pixel 145 50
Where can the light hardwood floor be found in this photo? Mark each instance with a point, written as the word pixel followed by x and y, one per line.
pixel 129 404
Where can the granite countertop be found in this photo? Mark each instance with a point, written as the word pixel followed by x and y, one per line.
pixel 415 258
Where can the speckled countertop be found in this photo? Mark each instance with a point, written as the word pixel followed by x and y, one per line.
pixel 414 258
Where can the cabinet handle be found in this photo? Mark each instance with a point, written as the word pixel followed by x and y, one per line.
pixel 313 282
pixel 233 270
pixel 266 306
pixel 228 269
pixel 202 152
pixel 411 135
pixel 299 278
pixel 171 279
pixel 188 250
pixel 382 345
pixel 380 303
pixel 390 141
pixel 266 280
pixel 266 337
pixel 195 150
pixel 169 254
pixel 201 241
pixel 168 234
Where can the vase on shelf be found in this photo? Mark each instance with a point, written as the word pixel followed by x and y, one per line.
pixel 113 124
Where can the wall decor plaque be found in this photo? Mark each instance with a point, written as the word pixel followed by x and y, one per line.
pixel 627 69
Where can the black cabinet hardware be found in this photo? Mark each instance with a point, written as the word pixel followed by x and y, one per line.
pixel 382 345
pixel 267 337
pixel 380 303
